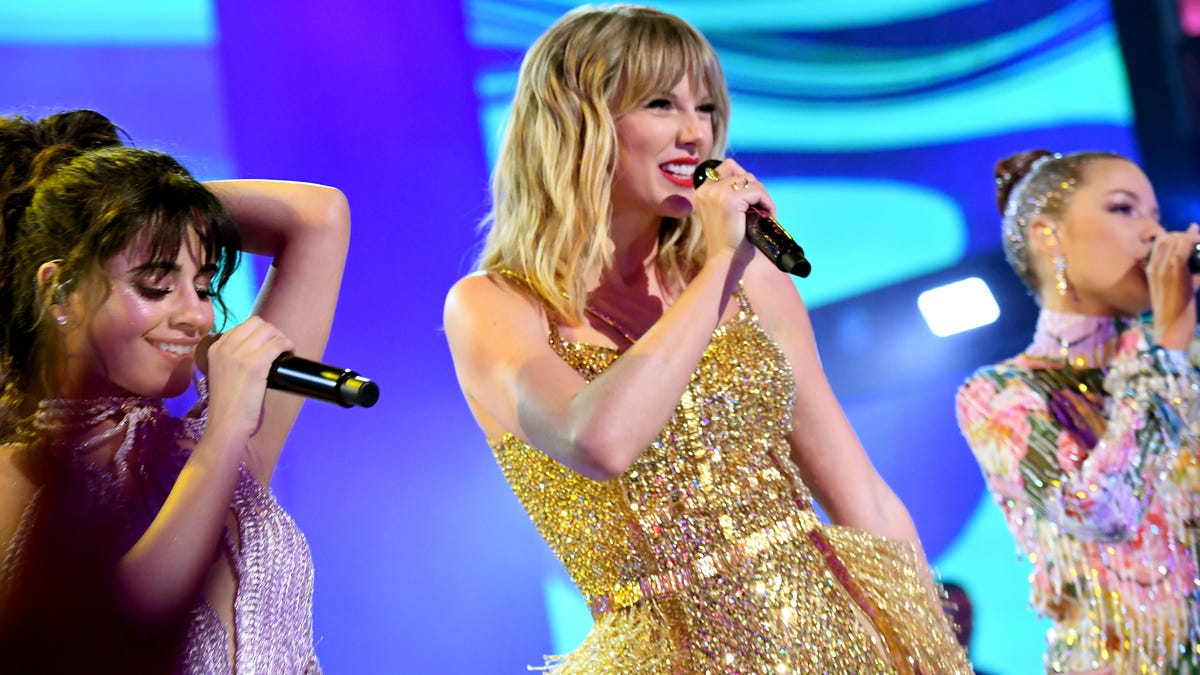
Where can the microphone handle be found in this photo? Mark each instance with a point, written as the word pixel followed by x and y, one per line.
pixel 1194 260
pixel 326 383
pixel 766 234
pixel 762 230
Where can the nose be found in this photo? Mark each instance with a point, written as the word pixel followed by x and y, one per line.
pixel 192 312
pixel 1153 229
pixel 692 130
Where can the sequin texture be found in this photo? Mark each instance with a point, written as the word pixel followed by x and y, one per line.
pixel 270 557
pixel 1088 444
pixel 706 556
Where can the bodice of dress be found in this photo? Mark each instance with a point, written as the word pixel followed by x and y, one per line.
pixel 1087 442
pixel 271 559
pixel 273 605
pixel 706 556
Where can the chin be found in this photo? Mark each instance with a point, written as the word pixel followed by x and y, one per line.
pixel 677 207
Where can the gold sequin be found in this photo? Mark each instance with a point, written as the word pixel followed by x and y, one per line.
pixel 700 558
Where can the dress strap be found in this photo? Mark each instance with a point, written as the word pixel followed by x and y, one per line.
pixel 520 279
pixel 743 301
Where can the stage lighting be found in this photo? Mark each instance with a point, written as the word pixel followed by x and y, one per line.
pixel 958 307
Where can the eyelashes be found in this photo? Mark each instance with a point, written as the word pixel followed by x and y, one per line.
pixel 157 293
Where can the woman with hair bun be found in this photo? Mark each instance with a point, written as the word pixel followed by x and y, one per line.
pixel 134 541
pixel 651 389
pixel 1088 439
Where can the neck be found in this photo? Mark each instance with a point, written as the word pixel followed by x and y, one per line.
pixel 1084 340
pixel 1071 302
pixel 634 247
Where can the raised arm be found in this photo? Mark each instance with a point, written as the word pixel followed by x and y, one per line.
pixel 830 457
pixel 305 230
pixel 515 382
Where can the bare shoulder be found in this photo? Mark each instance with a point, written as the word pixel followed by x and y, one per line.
pixel 16 491
pixel 773 294
pixel 481 303
pixel 497 334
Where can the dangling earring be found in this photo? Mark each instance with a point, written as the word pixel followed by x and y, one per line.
pixel 1060 275
pixel 1060 263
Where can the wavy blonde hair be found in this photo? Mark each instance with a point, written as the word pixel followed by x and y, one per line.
pixel 552 184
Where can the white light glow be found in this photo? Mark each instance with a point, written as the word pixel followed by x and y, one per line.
pixel 958 307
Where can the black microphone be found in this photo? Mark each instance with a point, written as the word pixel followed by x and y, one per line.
pixel 762 230
pixel 317 380
pixel 1194 260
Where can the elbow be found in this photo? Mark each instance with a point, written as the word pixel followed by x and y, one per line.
pixel 601 453
pixel 333 211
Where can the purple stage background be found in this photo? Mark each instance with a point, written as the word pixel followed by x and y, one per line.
pixel 425 561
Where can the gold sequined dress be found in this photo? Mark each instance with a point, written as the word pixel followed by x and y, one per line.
pixel 706 556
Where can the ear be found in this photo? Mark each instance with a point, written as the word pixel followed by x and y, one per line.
pixel 1044 239
pixel 53 298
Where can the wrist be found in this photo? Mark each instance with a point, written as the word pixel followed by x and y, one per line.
pixel 1168 360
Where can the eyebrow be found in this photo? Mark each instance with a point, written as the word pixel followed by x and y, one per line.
pixel 168 267
pixel 1133 195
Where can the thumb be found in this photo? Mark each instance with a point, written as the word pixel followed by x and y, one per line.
pixel 202 351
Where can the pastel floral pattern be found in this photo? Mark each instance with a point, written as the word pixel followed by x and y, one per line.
pixel 1094 468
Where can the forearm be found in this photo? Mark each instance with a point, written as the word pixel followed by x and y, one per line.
pixel 875 509
pixel 895 522
pixel 272 215
pixel 163 570
pixel 1147 416
pixel 612 420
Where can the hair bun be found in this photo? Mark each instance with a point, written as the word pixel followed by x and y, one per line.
pixel 1012 169
pixel 31 150
pixel 82 129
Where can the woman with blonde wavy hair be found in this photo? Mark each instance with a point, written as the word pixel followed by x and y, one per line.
pixel 650 386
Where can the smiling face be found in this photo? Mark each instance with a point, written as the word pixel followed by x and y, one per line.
pixel 660 142
pixel 141 338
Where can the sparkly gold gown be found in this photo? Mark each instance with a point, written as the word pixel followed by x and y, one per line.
pixel 705 556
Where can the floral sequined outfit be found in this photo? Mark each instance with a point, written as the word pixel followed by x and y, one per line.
pixel 1087 442
pixel 271 560
pixel 706 556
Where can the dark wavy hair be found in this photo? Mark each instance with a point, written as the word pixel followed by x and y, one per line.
pixel 71 192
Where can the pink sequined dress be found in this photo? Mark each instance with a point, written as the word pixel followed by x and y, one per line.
pixel 269 555
pixel 1088 444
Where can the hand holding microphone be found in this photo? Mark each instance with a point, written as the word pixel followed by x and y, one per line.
pixel 762 230
pixel 310 379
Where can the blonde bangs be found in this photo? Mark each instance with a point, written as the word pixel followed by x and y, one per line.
pixel 551 187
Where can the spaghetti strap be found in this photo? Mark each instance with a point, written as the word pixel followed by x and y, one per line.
pixel 743 301
pixel 552 326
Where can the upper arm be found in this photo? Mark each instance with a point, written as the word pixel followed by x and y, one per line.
pixel 512 379
pixel 826 450
pixel 304 229
pixel 16 491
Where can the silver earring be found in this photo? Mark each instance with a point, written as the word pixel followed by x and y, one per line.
pixel 61 319
pixel 1060 276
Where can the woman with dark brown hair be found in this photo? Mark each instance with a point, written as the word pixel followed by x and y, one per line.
pixel 135 541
